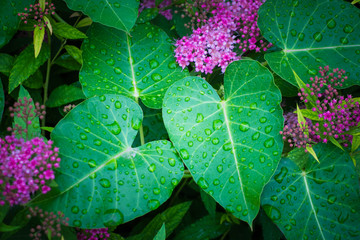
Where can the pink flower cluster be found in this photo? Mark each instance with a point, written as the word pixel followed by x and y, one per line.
pixel 25 167
pixel 231 25
pixel 337 114
pixel 93 234
pixel 50 223
pixel 35 12
pixel 151 4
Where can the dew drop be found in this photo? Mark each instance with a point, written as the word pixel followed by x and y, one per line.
pixel 113 217
pixel 244 126
pixel 105 183
pixel 203 183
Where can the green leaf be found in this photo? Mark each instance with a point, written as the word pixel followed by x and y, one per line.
pixel 301 121
pixel 9 20
pixel 103 181
pixel 269 230
pixel 205 228
pixel 68 62
pixel 319 201
pixel 355 1
pixel 172 217
pixel 355 143
pixel 120 14
pixel 39 34
pixel 310 114
pixel 26 64
pixel 310 34
pixel 161 235
pixel 2 100
pixel 35 81
pixel 63 95
pixel 8 228
pixel 209 202
pixel 84 22
pixel 34 127
pixel 142 65
pixel 67 31
pixel 335 142
pixel 6 63
pixel 231 147
pixel 3 211
pixel 49 129
pixel 74 52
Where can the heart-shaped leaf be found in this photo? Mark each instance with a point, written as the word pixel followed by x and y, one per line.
pixel 141 65
pixel 312 33
pixel 120 14
pixel 231 147
pixel 102 180
pixel 320 201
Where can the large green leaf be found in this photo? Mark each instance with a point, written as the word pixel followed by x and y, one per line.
pixel 63 95
pixel 141 65
pixel 231 147
pixel 102 180
pixel 26 64
pixel 319 201
pixel 120 14
pixel 312 33
pixel 9 20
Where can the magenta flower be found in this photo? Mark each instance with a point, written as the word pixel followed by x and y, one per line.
pixel 36 13
pixel 213 43
pixel 93 234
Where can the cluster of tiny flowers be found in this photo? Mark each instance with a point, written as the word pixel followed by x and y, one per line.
pixel 68 108
pixel 50 223
pixel 151 4
pixel 23 110
pixel 295 135
pixel 25 167
pixel 36 13
pixel 213 43
pixel 93 234
pixel 337 114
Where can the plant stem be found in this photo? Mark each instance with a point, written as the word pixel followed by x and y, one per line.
pixel 57 17
pixel 46 84
pixel 141 130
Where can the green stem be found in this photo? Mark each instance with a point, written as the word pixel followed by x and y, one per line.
pixel 57 17
pixel 46 84
pixel 141 130
pixel 187 174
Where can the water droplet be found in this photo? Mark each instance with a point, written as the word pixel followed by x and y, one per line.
pixel 105 183
pixel 244 126
pixel 219 168
pixel 255 136
pixel 281 175
pixel 162 180
pixel 263 120
pixel 348 29
pixel 117 70
pixel 80 145
pixel 330 23
pixel 269 142
pixel 83 136
pixel 136 123
pixel 203 183
pixel 117 5
pixel 153 204
pixel 217 124
pixel 75 164
pixel 113 217
pixel 293 32
pixel 199 118
pixel 92 163
pixel 232 179
pixel 268 129
pixel 172 162
pixel 152 167
pixel 75 209
pixel 184 154
pixel 97 71
pixel 215 141
pixel 156 77
pixel 344 40
pixel 110 62
pixel 253 106
pixel 301 36
pixel 318 36
pixel 156 191
pixel 331 199
pixel 97 142
pixel 77 223
pixel 272 212
pixel 153 64
pixel 227 146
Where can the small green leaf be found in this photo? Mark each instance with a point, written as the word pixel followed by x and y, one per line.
pixel 312 152
pixel 172 217
pixel 119 14
pixel 49 129
pixel 161 235
pixel 310 114
pixel 355 1
pixel 48 24
pixel 67 31
pixel 63 95
pixel 42 4
pixel 85 22
pixel 207 227
pixel 3 211
pixel 336 143
pixel 35 81
pixel 355 143
pixel 26 64
pixel 34 127
pixel 312 99
pixel 6 63
pixel 8 228
pixel 302 121
pixel 68 62
pixel 318 201
pixel 74 52
pixel 98 163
